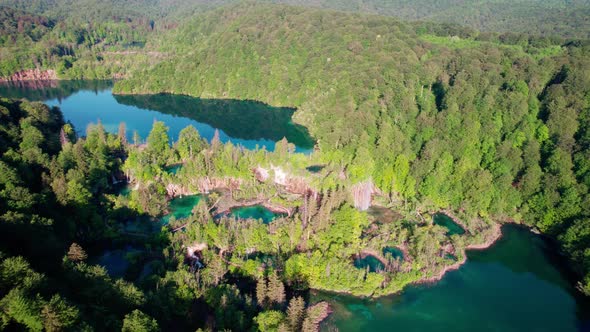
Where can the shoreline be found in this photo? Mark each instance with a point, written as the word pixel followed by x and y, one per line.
pixel 495 236
pixel 262 202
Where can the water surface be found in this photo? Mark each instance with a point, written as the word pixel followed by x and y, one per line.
pixel 370 262
pixel 181 207
pixel 443 220
pixel 117 261
pixel 517 285
pixel 257 212
pixel 250 124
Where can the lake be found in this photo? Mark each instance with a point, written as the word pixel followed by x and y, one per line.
pixel 516 285
pixel 246 123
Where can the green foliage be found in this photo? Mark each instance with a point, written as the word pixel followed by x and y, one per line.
pixel 269 320
pixel 137 321
pixel 434 116
pixel 158 144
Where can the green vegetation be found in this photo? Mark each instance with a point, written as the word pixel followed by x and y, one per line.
pixel 418 118
pixel 105 39
pixel 492 131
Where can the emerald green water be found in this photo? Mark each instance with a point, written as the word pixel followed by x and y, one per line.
pixel 174 169
pixel 254 212
pixel 369 261
pixel 516 285
pixel 181 207
pixel 395 253
pixel 443 220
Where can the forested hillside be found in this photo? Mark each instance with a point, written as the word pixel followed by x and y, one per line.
pixel 412 121
pixel 554 17
pixel 488 127
pixel 104 39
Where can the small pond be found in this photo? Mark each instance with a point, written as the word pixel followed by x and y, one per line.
pixel 173 169
pixel 181 207
pixel 117 261
pixel 257 212
pixel 315 168
pixel 452 227
pixel 369 261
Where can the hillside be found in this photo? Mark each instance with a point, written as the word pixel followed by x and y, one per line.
pixel 446 123
pixel 566 19
pixel 82 35
pixel 428 137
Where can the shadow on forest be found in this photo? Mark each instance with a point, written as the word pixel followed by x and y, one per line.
pixel 247 119
pixel 46 90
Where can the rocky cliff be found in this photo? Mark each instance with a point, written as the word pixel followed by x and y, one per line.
pixel 31 75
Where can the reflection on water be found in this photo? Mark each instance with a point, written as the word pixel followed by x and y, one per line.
pixel 247 123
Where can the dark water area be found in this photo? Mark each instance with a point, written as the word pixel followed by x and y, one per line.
pixel 174 169
pixel 394 252
pixel 443 220
pixel 250 124
pixel 315 168
pixel 247 120
pixel 370 262
pixel 518 284
pixel 117 261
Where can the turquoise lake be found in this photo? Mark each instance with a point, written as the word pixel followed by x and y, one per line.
pixel 516 285
pixel 257 212
pixel 246 123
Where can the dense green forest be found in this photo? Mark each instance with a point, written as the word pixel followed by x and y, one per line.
pixel 57 199
pixel 104 39
pixel 410 118
pixel 492 128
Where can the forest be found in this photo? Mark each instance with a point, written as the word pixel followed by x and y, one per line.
pixel 104 39
pixel 412 118
pixel 492 128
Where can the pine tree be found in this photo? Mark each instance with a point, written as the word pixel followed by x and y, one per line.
pixel 122 134
pixel 296 313
pixel 136 137
pixel 215 141
pixel 76 253
pixel 276 289
pixel 261 291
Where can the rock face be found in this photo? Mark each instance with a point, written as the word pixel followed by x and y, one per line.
pixel 197 247
pixel 261 174
pixel 207 184
pixel 203 185
pixel 362 194
pixel 31 75
pixel 293 184
pixel 175 190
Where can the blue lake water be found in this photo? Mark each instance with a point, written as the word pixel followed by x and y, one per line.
pixel 246 123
